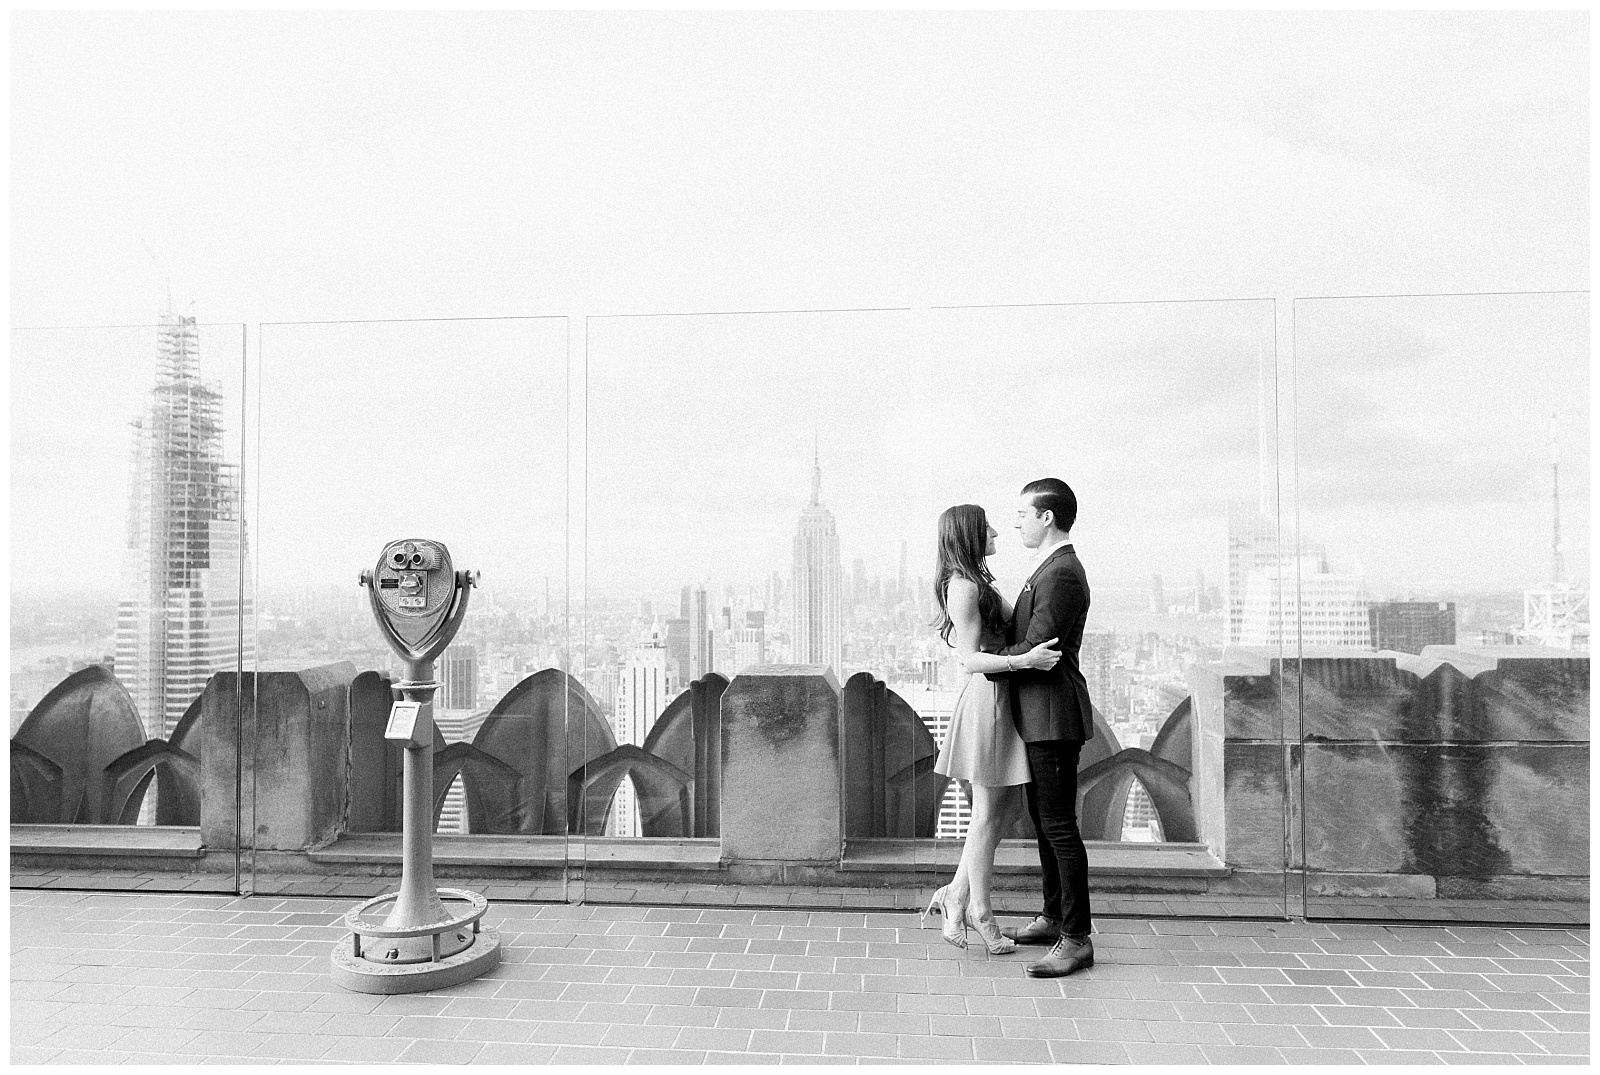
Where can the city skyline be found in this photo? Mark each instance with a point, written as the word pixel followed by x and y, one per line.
pixel 1388 153
pixel 720 510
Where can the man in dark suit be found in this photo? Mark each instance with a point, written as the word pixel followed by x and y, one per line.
pixel 1054 717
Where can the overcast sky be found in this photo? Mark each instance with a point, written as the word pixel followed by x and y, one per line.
pixel 275 167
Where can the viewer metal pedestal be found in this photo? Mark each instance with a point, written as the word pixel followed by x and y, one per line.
pixel 430 938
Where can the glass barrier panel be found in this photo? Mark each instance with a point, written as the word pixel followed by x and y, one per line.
pixel 1442 580
pixel 449 430
pixel 571 605
pixel 131 616
pixel 1162 419
pixel 757 624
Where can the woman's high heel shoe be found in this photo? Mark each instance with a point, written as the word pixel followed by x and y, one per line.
pixel 954 930
pixel 989 931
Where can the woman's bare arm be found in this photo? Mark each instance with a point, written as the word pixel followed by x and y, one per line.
pixel 962 600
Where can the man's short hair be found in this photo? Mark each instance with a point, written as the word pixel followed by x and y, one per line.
pixel 1055 496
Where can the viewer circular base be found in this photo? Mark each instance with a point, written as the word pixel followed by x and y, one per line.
pixel 387 959
pixel 364 976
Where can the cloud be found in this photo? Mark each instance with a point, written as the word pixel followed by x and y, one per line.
pixel 1439 401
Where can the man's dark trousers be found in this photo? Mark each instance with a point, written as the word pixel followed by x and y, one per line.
pixel 1052 804
pixel 1055 718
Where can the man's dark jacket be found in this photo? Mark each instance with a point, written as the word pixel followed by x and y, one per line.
pixel 1051 704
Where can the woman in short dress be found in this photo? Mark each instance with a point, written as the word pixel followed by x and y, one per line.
pixel 982 747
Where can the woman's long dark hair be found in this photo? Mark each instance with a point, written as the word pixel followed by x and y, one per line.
pixel 963 540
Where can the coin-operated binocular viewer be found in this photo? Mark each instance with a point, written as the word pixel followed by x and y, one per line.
pixel 418 600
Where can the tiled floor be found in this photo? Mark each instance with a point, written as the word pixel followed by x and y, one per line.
pixel 170 978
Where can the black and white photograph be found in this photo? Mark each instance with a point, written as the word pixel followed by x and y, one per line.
pixel 768 537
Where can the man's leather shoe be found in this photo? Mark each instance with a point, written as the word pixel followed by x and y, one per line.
pixel 1040 931
pixel 1068 955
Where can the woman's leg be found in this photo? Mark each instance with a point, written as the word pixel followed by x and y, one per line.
pixel 961 883
pixel 993 811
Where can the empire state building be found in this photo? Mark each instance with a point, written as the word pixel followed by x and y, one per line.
pixel 817 627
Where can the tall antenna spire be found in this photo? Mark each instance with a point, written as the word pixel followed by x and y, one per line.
pixel 1266 461
pixel 1557 568
pixel 816 469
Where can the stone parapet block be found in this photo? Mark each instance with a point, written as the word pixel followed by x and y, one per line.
pixel 781 771
pixel 1466 764
pixel 1471 810
pixel 275 738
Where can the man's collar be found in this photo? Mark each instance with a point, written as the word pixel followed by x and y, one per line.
pixel 1045 554
pixel 1050 550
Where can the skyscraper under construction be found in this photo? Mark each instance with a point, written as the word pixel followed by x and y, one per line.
pixel 182 606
